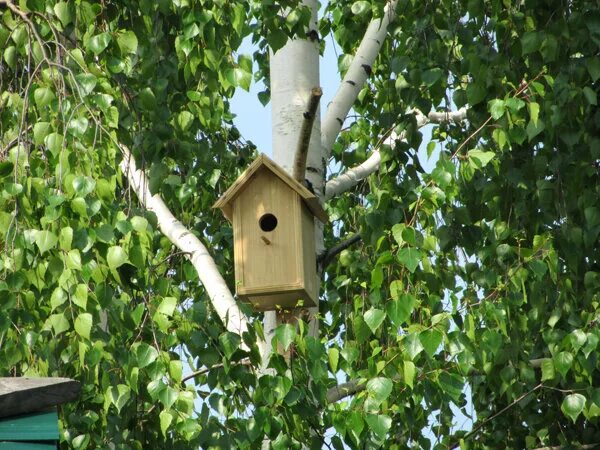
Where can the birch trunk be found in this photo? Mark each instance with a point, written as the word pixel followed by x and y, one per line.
pixel 294 72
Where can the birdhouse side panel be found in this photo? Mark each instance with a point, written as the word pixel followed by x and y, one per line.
pixel 311 279
pixel 268 247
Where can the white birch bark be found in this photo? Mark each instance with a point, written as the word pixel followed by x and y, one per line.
pixel 219 294
pixel 353 176
pixel 356 76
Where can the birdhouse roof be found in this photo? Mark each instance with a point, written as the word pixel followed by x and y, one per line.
pixel 310 199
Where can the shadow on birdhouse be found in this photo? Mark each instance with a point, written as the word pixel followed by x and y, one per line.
pixel 274 237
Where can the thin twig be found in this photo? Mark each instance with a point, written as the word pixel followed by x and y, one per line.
pixel 305 132
pixel 499 413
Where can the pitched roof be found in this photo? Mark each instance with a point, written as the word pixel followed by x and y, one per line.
pixel 310 199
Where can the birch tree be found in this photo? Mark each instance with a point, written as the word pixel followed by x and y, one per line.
pixel 459 301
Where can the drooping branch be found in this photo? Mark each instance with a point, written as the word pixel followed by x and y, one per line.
pixel 305 132
pixel 324 259
pixel 353 176
pixel 356 76
pixel 216 288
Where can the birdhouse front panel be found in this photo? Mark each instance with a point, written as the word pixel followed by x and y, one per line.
pixel 269 248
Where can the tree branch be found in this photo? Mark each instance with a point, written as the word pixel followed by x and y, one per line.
pixel 356 76
pixel 243 362
pixel 326 257
pixel 304 136
pixel 353 176
pixel 216 288
pixel 341 391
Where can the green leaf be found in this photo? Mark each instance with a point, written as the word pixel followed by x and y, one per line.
pixel 127 42
pixel 479 158
pixel 590 95
pixel 6 168
pixel 379 388
pixel 58 297
pixel 45 240
pixel 80 296
pixel 431 340
pixel 43 96
pixel 40 131
pixel 497 108
pixel 285 335
pixel 230 342
pixel 400 310
pixel 54 142
pixel 534 112
pixel 176 370
pixel 59 323
pixel 374 318
pixel 409 257
pixel 533 129
pixel 379 424
pixel 83 325
pixel 593 67
pixel 563 362
pixel 360 7
pixel 412 345
pixel 147 99
pixel 10 56
pixel 333 354
pixel 167 306
pixel 78 126
pixel 452 384
pixel 409 373
pixel 573 405
pixel 530 42
pixel 185 120
pixel 168 396
pixel 239 78
pixel 118 395
pixel 63 12
pixel 547 369
pixel 86 82
pixel 165 419
pixel 145 355
pixel 116 257
pixel 83 185
pixel 99 42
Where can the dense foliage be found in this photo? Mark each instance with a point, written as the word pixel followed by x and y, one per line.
pixel 475 285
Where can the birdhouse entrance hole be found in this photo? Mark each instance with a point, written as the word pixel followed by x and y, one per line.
pixel 267 222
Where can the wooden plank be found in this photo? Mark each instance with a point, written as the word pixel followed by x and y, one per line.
pixel 10 445
pixel 40 426
pixel 23 395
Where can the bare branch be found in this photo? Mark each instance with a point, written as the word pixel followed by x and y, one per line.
pixel 305 132
pixel 356 76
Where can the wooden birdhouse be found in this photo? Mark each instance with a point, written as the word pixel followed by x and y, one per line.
pixel 274 237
